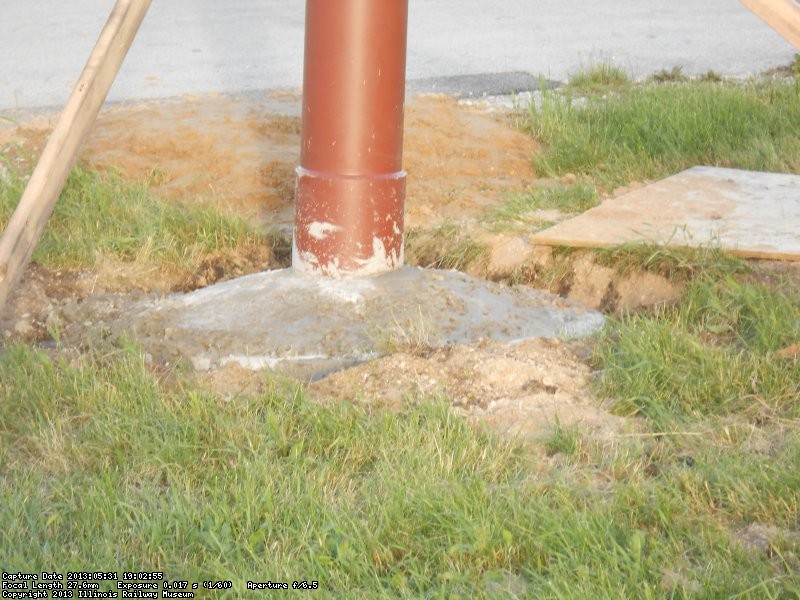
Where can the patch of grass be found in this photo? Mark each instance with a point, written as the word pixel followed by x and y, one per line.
pixel 681 263
pixel 101 464
pixel 715 353
pixel 652 130
pixel 716 478
pixel 603 77
pixel 103 216
pixel 673 75
pixel 516 211
pixel 448 246
pixel 411 335
pixel 712 76
pixel 563 440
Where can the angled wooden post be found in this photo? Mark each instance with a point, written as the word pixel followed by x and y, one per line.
pixel 27 224
pixel 782 15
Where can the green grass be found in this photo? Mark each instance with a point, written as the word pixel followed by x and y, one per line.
pixel 564 440
pixel 678 263
pixel 105 216
pixel 599 78
pixel 516 211
pixel 675 74
pixel 721 405
pixel 714 354
pixel 652 130
pixel 448 246
pixel 104 466
pixel 712 76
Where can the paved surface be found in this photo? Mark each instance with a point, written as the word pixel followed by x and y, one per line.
pixel 755 215
pixel 200 46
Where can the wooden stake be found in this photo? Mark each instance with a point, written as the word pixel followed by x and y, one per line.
pixel 782 15
pixel 27 224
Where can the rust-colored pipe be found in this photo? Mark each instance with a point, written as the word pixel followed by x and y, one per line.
pixel 350 183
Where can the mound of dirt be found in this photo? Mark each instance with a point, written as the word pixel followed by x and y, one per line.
pixel 523 389
pixel 242 152
pixel 460 160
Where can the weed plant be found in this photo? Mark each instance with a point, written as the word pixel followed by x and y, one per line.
pixel 599 78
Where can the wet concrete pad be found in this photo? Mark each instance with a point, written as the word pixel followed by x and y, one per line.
pixel 752 214
pixel 308 325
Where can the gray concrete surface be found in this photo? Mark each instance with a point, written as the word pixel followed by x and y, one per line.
pixel 309 326
pixel 201 46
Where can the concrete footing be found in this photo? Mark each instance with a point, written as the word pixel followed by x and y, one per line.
pixel 309 326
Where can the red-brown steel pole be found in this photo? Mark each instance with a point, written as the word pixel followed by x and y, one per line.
pixel 350 182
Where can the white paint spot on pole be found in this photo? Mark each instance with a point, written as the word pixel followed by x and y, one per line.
pixel 319 231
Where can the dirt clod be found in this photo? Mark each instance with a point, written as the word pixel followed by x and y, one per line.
pixel 758 538
pixel 590 281
pixel 636 291
pixel 506 255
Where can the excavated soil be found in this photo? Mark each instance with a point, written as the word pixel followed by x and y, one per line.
pixel 241 153
pixel 525 389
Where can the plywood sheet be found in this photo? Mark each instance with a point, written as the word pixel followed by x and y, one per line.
pixel 748 213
